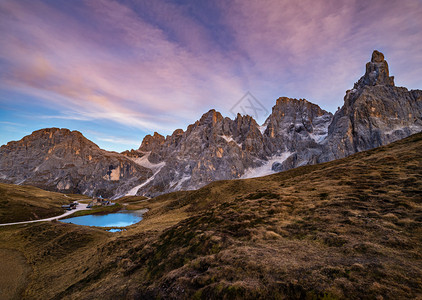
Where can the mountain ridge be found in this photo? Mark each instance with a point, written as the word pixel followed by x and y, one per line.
pixel 296 133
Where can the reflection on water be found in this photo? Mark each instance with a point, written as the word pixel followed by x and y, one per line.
pixel 118 219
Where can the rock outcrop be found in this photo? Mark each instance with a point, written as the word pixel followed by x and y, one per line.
pixel 375 113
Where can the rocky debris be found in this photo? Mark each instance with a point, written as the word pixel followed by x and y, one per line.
pixel 65 161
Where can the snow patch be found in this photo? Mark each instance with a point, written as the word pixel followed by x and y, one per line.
pixel 318 138
pixel 144 162
pixel 230 139
pixel 265 169
pixel 320 130
pixel 413 129
pixel 263 128
pixel 2 176
pixel 181 181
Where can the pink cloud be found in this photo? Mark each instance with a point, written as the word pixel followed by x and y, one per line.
pixel 159 78
pixel 119 65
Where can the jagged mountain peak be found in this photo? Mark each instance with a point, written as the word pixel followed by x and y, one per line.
pixel 376 73
pixel 64 160
pixel 377 57
pixel 297 105
pixel 245 119
pixel 54 131
pixel 210 117
pixel 286 100
pixel 151 142
pixel 375 113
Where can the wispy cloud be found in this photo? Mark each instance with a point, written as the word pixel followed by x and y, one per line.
pixel 129 72
pixel 118 140
pixel 10 123
pixel 317 49
pixel 159 65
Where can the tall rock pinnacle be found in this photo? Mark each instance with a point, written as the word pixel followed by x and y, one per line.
pixel 376 72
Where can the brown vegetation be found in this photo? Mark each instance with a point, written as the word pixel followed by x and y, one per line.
pixel 13 274
pixel 350 228
pixel 25 203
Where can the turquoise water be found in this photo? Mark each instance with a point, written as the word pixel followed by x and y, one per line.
pixel 118 219
pixel 116 230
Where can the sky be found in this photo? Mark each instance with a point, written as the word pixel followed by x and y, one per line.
pixel 119 70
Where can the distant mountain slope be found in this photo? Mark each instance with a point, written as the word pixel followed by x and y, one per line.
pixel 349 228
pixel 63 160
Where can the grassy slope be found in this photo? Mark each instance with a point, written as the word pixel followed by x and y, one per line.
pixel 23 203
pixel 348 228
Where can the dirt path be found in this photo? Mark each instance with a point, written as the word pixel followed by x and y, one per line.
pixel 81 206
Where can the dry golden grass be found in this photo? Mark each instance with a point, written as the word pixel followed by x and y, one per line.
pixel 350 228
pixel 24 203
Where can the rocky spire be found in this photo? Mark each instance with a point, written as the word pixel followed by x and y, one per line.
pixel 376 72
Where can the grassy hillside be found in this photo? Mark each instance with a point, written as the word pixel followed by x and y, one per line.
pixel 24 203
pixel 350 228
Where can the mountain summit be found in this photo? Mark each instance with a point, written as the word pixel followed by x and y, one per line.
pixel 296 133
pixel 376 72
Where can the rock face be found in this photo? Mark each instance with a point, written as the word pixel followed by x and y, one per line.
pixel 154 142
pixel 376 72
pixel 297 132
pixel 65 161
pixel 216 148
pixel 296 126
pixel 212 148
